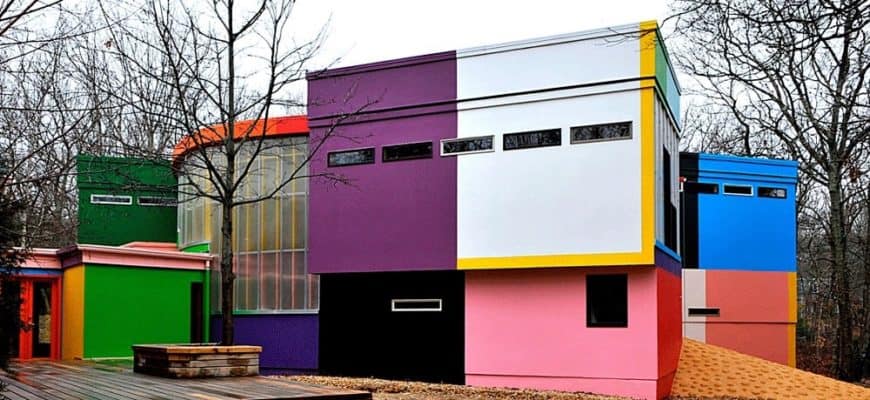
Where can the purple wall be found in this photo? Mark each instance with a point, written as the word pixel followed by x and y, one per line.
pixel 396 216
pixel 289 341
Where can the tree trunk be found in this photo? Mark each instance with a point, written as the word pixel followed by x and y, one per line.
pixel 227 277
pixel 844 354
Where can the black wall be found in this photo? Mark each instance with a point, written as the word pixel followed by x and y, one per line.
pixel 361 336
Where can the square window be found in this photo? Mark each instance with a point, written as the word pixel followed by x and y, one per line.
pixel 607 301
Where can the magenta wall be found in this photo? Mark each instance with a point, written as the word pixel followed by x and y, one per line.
pixel 392 216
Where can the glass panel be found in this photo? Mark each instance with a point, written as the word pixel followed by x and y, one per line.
pixel 527 140
pixel 269 283
pixel 776 193
pixel 468 145
pixel 288 274
pixel 299 280
pixel 271 224
pixel 411 151
pixel 351 157
pixel 313 291
pixel 591 133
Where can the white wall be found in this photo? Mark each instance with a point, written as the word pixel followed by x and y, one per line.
pixel 572 59
pixel 570 199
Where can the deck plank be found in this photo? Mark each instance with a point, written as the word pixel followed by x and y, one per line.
pixel 44 380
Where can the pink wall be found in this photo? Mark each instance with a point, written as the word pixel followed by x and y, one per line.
pixel 527 328
pixel 768 341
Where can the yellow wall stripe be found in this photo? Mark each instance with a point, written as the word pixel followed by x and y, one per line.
pixel 73 315
pixel 792 318
pixel 555 260
pixel 647 139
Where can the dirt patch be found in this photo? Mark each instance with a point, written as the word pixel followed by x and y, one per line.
pixel 399 390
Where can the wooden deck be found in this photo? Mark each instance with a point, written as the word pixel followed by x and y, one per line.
pixel 44 380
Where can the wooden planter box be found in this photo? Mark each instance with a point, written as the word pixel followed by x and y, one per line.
pixel 196 360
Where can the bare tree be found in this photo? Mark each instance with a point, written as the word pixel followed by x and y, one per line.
pixel 791 77
pixel 212 68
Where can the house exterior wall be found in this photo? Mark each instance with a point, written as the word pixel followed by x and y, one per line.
pixel 73 313
pixel 132 305
pixel 394 216
pixel 435 213
pixel 109 224
pixel 753 290
pixel 540 318
pixel 289 341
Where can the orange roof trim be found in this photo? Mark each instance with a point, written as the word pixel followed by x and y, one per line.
pixel 276 126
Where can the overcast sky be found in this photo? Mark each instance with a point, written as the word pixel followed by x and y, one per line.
pixel 362 31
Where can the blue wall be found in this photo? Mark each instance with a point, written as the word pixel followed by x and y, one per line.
pixel 745 232
pixel 289 341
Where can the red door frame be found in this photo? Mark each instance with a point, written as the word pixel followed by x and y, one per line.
pixel 25 336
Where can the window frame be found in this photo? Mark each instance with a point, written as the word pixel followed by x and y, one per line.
pixel 589 322
pixel 330 164
pixel 538 131
pixel 128 202
pixel 160 204
pixel 629 137
pixel 726 185
pixel 760 188
pixel 385 147
pixel 440 307
pixel 453 140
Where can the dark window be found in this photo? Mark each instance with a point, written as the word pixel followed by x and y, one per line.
pixel 776 193
pixel 598 133
pixel 351 157
pixel 416 305
pixel 527 140
pixel 451 147
pixel 667 203
pixel 709 312
pixel 698 187
pixel 740 190
pixel 157 201
pixel 111 199
pixel 411 151
pixel 607 301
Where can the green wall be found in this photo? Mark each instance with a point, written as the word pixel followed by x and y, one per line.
pixel 134 305
pixel 118 224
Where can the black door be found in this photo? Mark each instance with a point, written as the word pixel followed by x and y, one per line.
pixel 42 319
pixel 393 325
pixel 196 313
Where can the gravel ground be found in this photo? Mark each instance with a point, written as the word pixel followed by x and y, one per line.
pixel 398 390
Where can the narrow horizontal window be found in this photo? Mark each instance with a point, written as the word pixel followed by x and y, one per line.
pixel 607 301
pixel 480 144
pixel 111 199
pixel 698 187
pixel 527 140
pixel 600 133
pixel 704 312
pixel 776 193
pixel 410 151
pixel 351 157
pixel 157 201
pixel 737 190
pixel 416 305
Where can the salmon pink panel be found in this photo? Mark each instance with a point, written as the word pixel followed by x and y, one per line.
pixel 768 341
pixel 748 296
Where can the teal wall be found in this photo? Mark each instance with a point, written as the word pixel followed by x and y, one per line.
pixel 135 305
pixel 118 224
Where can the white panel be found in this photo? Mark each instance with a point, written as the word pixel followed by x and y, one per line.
pixel 570 199
pixel 694 293
pixel 573 59
pixel 695 330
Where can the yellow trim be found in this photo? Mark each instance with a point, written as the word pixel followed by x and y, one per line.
pixel 555 260
pixel 792 319
pixel 648 34
pixel 73 315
